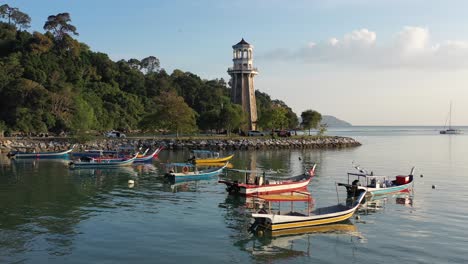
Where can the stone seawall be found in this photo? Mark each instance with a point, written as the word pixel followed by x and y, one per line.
pixel 57 144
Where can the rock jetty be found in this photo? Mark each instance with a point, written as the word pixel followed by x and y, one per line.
pixel 57 144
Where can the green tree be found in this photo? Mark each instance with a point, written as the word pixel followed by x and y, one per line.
pixel 209 120
pixel 310 119
pixel 232 117
pixel 134 64
pixel 60 25
pixel 14 16
pixel 150 64
pixel 274 118
pixel 172 113
pixel 40 43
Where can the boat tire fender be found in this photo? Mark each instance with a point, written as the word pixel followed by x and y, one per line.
pixel 185 169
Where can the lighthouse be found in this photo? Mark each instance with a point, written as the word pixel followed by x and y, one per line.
pixel 242 80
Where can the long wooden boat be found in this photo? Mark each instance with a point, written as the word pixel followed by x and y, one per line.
pixel 98 163
pixel 191 172
pixel 377 184
pixel 94 153
pixel 40 155
pixel 149 157
pixel 320 216
pixel 208 156
pixel 263 185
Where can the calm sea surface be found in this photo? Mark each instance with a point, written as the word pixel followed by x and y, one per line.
pixel 50 214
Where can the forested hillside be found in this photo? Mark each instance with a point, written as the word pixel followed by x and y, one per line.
pixel 50 82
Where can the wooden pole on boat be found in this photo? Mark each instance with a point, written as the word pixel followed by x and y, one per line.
pixel 337 197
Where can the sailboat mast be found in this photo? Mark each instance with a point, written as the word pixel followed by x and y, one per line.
pixel 450 116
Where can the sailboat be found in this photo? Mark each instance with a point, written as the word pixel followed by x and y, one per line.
pixel 450 130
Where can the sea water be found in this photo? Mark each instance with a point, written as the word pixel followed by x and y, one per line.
pixel 50 214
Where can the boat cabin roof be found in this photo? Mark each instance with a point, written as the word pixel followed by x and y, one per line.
pixel 286 197
pixel 204 151
pixel 367 175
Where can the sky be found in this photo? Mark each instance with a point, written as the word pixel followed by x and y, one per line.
pixel 368 62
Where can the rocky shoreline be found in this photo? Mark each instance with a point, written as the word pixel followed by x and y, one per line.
pixel 56 144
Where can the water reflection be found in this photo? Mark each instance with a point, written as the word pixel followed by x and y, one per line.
pixel 293 243
pixel 378 203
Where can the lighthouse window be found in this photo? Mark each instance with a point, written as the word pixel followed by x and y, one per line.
pixel 245 54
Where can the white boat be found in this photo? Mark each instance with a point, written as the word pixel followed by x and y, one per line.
pixel 450 130
pixel 267 220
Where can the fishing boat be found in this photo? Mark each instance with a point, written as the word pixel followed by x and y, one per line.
pixel 39 155
pixel 149 157
pixel 377 184
pixel 87 162
pixel 263 185
pixel 450 130
pixel 186 171
pixel 291 219
pixel 94 153
pixel 116 156
pixel 208 156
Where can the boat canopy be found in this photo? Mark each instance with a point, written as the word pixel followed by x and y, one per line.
pixel 367 175
pixel 179 164
pixel 204 151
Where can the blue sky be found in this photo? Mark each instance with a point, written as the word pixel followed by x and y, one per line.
pixel 370 62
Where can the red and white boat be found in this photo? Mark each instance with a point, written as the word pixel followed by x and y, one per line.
pixel 270 185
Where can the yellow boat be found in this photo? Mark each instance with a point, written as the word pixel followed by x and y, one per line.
pixel 208 156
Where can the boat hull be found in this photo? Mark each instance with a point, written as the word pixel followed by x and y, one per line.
pixel 251 189
pixel 276 222
pixel 194 175
pixel 380 191
pixel 214 160
pixel 101 163
pixel 42 155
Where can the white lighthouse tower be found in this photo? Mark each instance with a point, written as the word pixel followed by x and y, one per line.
pixel 242 80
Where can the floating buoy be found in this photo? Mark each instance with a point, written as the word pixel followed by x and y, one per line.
pixel 131 183
pixel 358 217
pixel 433 186
pixel 422 176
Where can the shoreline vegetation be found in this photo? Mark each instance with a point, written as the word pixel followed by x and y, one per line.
pixel 199 142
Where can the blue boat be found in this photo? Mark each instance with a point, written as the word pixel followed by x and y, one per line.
pixel 87 162
pixel 186 171
pixel 40 155
pixel 94 153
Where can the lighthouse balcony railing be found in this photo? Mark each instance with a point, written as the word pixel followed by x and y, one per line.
pixel 239 68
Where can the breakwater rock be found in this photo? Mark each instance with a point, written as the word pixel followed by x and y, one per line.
pixel 56 144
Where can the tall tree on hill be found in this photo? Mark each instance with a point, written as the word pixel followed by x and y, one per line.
pixel 134 64
pixel 310 119
pixel 60 25
pixel 14 16
pixel 150 64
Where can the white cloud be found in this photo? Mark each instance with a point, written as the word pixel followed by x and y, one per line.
pixel 410 48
